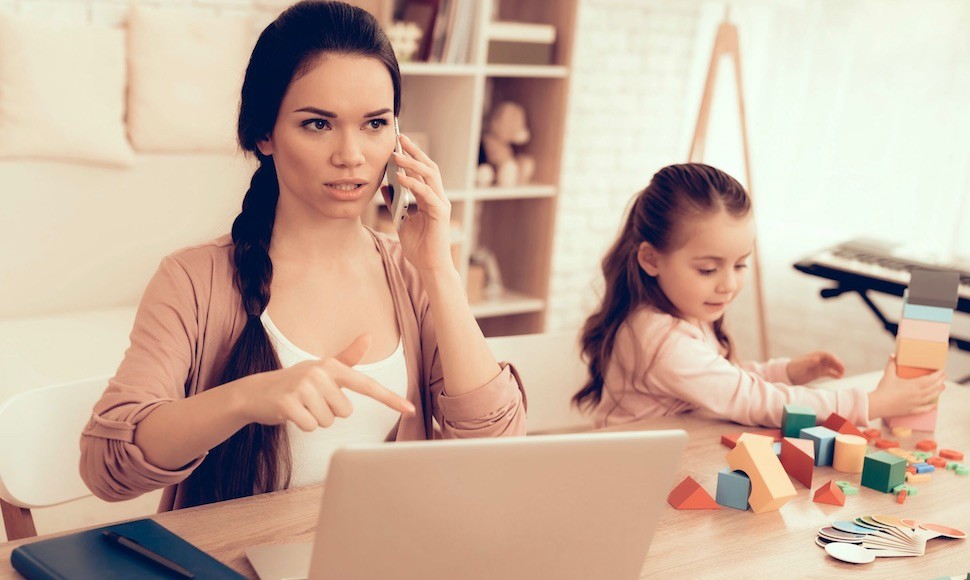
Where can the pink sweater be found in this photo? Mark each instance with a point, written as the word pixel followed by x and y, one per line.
pixel 662 365
pixel 189 318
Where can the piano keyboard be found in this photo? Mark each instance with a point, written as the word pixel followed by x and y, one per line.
pixel 876 262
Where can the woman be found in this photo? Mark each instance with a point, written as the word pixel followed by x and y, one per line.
pixel 214 399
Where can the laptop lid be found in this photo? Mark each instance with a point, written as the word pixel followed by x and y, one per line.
pixel 558 506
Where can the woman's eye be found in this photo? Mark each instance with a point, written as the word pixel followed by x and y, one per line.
pixel 377 124
pixel 316 124
pixel 706 272
pixel 740 266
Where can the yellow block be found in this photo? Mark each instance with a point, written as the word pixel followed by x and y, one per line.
pixel 770 486
pixel 898 452
pixel 850 453
pixel 902 431
pixel 921 353
pixel 917 477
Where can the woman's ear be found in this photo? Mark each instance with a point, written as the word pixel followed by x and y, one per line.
pixel 648 258
pixel 265 145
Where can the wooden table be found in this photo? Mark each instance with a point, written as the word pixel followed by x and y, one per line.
pixel 726 543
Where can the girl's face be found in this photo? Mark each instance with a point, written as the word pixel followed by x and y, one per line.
pixel 333 136
pixel 702 276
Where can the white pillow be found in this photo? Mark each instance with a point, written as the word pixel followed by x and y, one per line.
pixel 62 92
pixel 186 68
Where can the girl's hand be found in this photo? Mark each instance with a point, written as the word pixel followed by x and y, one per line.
pixel 425 234
pixel 814 365
pixel 895 396
pixel 310 394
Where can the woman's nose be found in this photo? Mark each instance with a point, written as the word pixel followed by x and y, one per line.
pixel 348 152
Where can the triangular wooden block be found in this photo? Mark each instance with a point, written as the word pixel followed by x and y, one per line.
pixel 830 494
pixel 840 424
pixel 798 459
pixel 730 440
pixel 689 495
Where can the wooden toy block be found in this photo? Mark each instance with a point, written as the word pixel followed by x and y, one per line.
pixel 923 330
pixel 961 469
pixel 951 454
pixel 905 372
pixel 798 459
pixel 921 353
pixel 902 431
pixel 910 469
pixel 901 496
pixel 924 468
pixel 824 440
pixel 910 490
pixel 951 465
pixel 733 489
pixel 770 486
pixel 923 455
pixel 933 288
pixel 886 443
pixel 918 422
pixel 898 452
pixel 689 495
pixel 937 462
pixel 840 424
pixel 830 494
pixel 794 418
pixel 872 434
pixel 776 447
pixel 850 453
pixel 917 477
pixel 729 440
pixel 883 471
pixel 929 313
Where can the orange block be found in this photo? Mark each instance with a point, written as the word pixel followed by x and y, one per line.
pixel 917 477
pixel 910 469
pixel 926 445
pixel 901 497
pixel 924 330
pixel 937 462
pixel 872 434
pixel 921 353
pixel 905 372
pixel 886 443
pixel 850 453
pixel 689 495
pixel 770 486
pixel 951 454
pixel 729 440
pixel 830 494
pixel 840 424
pixel 798 459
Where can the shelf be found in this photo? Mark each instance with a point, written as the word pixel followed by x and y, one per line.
pixel 509 303
pixel 547 71
pixel 438 69
pixel 518 192
pixel 521 32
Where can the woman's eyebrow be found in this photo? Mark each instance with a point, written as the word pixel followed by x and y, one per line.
pixel 331 115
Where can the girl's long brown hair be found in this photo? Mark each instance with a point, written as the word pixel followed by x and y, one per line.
pixel 675 193
pixel 256 459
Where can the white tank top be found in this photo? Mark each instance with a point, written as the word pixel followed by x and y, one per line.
pixel 370 422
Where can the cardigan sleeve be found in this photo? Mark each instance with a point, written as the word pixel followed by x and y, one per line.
pixel 154 371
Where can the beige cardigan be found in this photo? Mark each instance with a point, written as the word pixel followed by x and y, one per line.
pixel 190 316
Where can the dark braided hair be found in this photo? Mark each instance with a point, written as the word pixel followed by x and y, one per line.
pixel 676 191
pixel 256 459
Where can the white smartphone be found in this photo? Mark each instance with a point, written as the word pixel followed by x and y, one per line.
pixel 400 195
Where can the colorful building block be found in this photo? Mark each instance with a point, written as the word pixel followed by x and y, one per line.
pixel 924 468
pixel 917 477
pixel 921 353
pixel 770 486
pixel 901 496
pixel 850 453
pixel 729 440
pixel 910 469
pixel 919 422
pixel 937 462
pixel 930 313
pixel 961 469
pixel 902 431
pixel 689 495
pixel 905 372
pixel 886 443
pixel 923 330
pixel 922 455
pixel 912 490
pixel 883 471
pixel 733 489
pixel 830 494
pixel 872 434
pixel 798 459
pixel 824 440
pixel 840 424
pixel 794 418
pixel 937 288
pixel 951 454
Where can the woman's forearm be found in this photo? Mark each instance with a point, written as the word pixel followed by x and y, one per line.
pixel 176 433
pixel 466 360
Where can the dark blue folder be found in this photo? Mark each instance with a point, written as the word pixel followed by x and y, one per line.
pixel 87 556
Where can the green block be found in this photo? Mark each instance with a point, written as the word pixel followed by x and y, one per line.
pixel 794 418
pixel 922 454
pixel 910 490
pixel 883 471
pixel 951 464
pixel 849 490
pixel 962 470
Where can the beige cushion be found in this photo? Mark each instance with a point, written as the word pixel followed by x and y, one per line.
pixel 186 68
pixel 62 92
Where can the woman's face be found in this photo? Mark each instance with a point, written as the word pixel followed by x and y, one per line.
pixel 333 137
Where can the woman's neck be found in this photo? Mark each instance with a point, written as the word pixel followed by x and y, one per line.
pixel 331 241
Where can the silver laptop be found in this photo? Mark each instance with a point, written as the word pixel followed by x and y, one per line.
pixel 555 506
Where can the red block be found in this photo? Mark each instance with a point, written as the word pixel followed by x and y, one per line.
pixel 689 495
pixel 937 462
pixel 901 497
pixel 951 454
pixel 872 434
pixel 730 440
pixel 798 459
pixel 926 445
pixel 840 424
pixel 886 443
pixel 830 494
pixel 910 469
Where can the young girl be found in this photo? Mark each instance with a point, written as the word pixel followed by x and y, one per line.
pixel 254 356
pixel 656 345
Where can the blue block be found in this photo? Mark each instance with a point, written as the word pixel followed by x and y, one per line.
pixel 931 313
pixel 824 440
pixel 924 467
pixel 733 489
pixel 777 447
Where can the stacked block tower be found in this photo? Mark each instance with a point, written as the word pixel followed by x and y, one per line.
pixel 922 340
